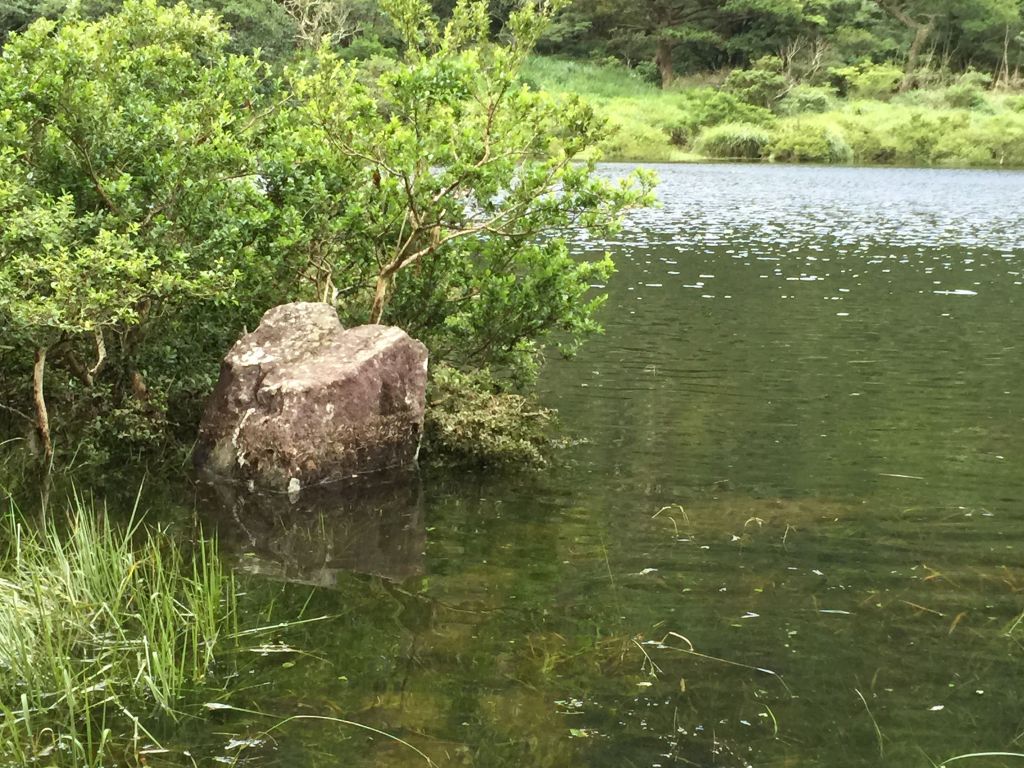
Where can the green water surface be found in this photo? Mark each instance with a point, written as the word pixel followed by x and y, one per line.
pixel 791 533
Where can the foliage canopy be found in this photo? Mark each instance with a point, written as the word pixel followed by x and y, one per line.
pixel 163 192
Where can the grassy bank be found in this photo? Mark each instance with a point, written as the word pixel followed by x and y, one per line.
pixel 961 125
pixel 105 631
pixel 640 114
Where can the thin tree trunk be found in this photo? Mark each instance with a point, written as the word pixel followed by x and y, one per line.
pixel 380 296
pixel 42 418
pixel 663 60
pixel 1004 70
pixel 922 31
pixel 921 34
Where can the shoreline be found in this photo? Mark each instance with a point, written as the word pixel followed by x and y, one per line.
pixel 703 160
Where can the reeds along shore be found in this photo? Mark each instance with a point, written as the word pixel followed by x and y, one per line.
pixel 105 630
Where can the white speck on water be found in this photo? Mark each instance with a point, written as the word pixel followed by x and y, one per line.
pixel 234 744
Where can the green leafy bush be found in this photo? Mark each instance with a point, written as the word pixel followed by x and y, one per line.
pixel 473 417
pixel 969 91
pixel 894 137
pixel 636 134
pixel 136 206
pixel 996 140
pixel 178 191
pixel 647 71
pixel 763 84
pixel 803 99
pixel 868 80
pixel 735 141
pixel 706 107
pixel 806 141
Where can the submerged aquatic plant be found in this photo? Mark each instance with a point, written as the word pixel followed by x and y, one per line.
pixel 104 631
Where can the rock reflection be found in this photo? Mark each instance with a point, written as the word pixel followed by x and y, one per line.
pixel 371 526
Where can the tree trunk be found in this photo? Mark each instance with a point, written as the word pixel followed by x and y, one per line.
pixel 42 418
pixel 380 296
pixel 663 59
pixel 921 34
pixel 922 31
pixel 1003 79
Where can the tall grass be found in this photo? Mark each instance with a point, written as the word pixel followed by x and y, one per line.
pixel 735 141
pixel 103 629
pixel 959 126
pixel 603 81
pixel 640 115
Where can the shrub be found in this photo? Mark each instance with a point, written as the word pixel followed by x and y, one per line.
pixel 868 81
pixel 923 98
pixel 801 99
pixel 762 85
pixel 475 418
pixel 647 72
pixel 706 107
pixel 175 192
pixel 890 134
pixel 969 91
pixel 634 133
pixel 886 134
pixel 802 141
pixel 735 141
pixel 967 147
pixel 895 136
pixel 133 209
pixel 985 140
pixel 913 141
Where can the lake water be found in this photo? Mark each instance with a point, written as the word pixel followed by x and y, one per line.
pixel 791 532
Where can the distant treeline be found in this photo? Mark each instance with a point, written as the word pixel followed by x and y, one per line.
pixel 660 38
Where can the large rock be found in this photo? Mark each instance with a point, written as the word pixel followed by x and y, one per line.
pixel 302 401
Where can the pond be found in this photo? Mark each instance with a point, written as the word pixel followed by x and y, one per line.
pixel 790 531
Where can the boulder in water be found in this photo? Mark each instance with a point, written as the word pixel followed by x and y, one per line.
pixel 302 401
